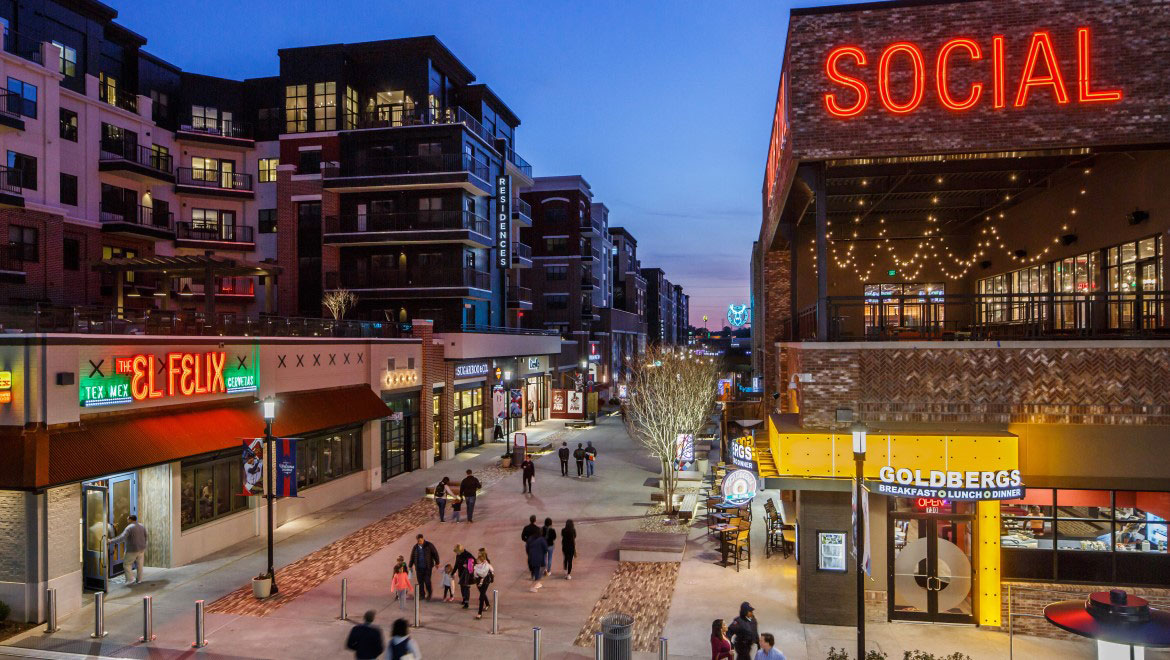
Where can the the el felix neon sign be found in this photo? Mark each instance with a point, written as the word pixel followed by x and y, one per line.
pixel 143 377
pixel 1041 72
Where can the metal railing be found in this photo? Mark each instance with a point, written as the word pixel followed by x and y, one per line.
pixel 140 154
pixel 15 105
pixel 366 163
pixel 225 233
pixel 119 98
pixel 217 127
pixel 12 257
pixel 353 278
pixel 356 223
pixel 497 330
pixel 521 207
pixel 396 115
pixel 44 317
pixel 519 162
pixel 22 46
pixel 517 294
pixel 11 180
pixel 145 216
pixel 521 251
pixel 214 179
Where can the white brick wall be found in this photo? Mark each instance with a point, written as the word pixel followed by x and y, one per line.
pixel 64 531
pixel 13 535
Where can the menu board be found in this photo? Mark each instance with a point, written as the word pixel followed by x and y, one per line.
pixel 831 551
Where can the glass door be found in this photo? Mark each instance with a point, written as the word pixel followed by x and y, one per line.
pixel 95 511
pixel 931 571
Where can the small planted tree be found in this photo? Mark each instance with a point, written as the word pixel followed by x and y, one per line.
pixel 339 302
pixel 672 391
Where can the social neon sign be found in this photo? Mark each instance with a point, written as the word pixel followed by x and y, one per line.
pixel 846 66
pixel 144 377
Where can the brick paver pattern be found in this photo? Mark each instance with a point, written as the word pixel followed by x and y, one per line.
pixel 641 589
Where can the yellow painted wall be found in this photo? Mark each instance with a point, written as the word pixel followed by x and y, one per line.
pixel 987 563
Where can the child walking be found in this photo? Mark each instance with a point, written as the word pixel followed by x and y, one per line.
pixel 456 505
pixel 448 594
pixel 400 583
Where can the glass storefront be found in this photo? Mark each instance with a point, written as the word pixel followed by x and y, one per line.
pixel 468 416
pixel 904 305
pixel 931 574
pixel 437 423
pixel 536 395
pixel 210 487
pixel 323 457
pixel 400 436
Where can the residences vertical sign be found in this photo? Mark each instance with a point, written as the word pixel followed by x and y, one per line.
pixel 504 221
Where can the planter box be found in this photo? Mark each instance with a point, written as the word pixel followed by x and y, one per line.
pixel 262 588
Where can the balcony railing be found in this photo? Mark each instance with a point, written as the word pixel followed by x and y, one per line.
pixel 521 250
pixel 356 278
pixel 522 207
pixel 217 233
pixel 22 46
pixel 113 151
pixel 214 179
pixel 41 317
pixel 10 180
pixel 406 221
pixel 229 128
pixel 119 98
pixel 519 294
pixel 1018 316
pixel 364 163
pixel 144 216
pixel 397 115
pixel 15 105
pixel 224 286
pixel 13 257
pixel 519 162
pixel 498 330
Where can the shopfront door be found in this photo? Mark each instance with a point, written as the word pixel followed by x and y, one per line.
pixel 106 504
pixel 930 567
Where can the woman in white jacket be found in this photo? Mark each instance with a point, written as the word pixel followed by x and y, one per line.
pixel 484 575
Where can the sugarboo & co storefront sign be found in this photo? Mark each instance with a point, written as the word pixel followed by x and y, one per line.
pixel 472 369
pixel 142 377
pixel 953 485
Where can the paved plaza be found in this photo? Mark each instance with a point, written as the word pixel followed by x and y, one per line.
pixel 359 540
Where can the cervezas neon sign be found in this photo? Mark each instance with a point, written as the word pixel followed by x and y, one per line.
pixel 185 374
pixel 1041 72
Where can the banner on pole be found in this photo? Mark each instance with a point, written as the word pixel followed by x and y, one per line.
pixel 253 481
pixel 286 467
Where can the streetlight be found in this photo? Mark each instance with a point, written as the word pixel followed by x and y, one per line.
pixel 269 405
pixel 859 432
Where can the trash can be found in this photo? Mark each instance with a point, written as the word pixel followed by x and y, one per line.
pixel 618 635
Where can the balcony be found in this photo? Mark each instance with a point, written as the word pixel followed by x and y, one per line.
pixel 400 116
pixel 12 260
pixel 225 288
pixel 519 297
pixel 137 161
pixel 11 190
pixel 517 166
pixel 589 313
pixel 13 111
pixel 408 227
pixel 224 132
pixel 588 283
pixel 521 255
pixel 522 212
pixel 119 98
pixel 232 237
pixel 22 46
pixel 138 221
pixel 369 171
pixel 214 183
pixel 421 283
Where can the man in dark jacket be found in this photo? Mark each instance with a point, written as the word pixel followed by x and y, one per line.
pixel 579 456
pixel 468 489
pixel 537 548
pixel 365 639
pixel 744 632
pixel 464 566
pixel 563 454
pixel 423 558
pixel 527 471
pixel 530 530
pixel 590 458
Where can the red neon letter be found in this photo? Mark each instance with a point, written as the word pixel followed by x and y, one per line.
pixel 200 375
pixel 944 94
pixel 216 363
pixel 173 360
pixel 1041 47
pixel 998 82
pixel 187 380
pixel 154 394
pixel 1084 73
pixel 138 387
pixel 856 85
pixel 884 77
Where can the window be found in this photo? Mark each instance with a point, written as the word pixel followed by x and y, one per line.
pixel 296 108
pixel 68 189
pixel 27 167
pixel 267 169
pixel 67 63
pixel 556 245
pixel 556 214
pixel 159 105
pixel 556 273
pixel 160 157
pixel 1132 270
pixel 71 253
pixel 107 88
pixel 267 221
pixel 23 242
pixel 556 301
pixel 325 106
pixel 904 305
pixel 468 417
pixel 310 162
pixel 327 457
pixel 22 98
pixel 68 125
pixel 210 488
pixel 351 107
pixel 212 219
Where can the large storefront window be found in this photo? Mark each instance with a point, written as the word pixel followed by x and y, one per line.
pixel 1086 536
pixel 1132 271
pixel 468 417
pixel 904 305
pixel 329 456
pixel 1018 307
pixel 537 396
pixel 400 436
pixel 210 487
pixel 437 422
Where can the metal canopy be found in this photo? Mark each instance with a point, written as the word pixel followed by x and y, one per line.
pixel 187 265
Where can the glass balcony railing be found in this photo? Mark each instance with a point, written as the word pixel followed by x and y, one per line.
pixel 400 114
pixel 186 230
pixel 357 277
pixel 366 163
pixel 522 207
pixel 519 162
pixel 216 179
pixel 356 223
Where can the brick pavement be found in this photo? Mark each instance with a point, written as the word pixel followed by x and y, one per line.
pixel 641 589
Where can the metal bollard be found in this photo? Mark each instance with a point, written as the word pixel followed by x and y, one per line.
pixel 51 610
pixel 662 652
pixel 200 642
pixel 99 615
pixel 147 619
pixel 495 611
pixel 536 643
pixel 599 646
pixel 417 606
pixel 344 588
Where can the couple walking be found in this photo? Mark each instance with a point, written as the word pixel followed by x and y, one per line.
pixel 586 457
pixel 466 493
pixel 467 569
pixel 539 545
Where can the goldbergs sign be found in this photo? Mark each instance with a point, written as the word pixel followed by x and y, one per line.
pixel 953 485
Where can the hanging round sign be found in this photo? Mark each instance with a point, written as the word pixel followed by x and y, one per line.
pixel 738 487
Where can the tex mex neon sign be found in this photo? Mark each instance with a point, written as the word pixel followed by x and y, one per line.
pixel 847 66
pixel 144 377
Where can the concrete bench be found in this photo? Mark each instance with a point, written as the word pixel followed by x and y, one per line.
pixel 689 506
pixel 651 546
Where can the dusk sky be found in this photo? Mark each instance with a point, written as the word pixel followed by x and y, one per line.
pixel 664 107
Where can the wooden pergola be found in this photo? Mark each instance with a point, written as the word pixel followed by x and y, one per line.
pixel 205 267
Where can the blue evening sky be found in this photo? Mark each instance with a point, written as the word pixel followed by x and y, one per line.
pixel 664 107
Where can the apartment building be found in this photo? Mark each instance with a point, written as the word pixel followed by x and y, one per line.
pixel 682 311
pixel 661 308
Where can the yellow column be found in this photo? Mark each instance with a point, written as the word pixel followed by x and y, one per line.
pixel 987 558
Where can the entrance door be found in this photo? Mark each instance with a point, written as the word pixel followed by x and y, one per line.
pixel 106 504
pixel 930 568
pixel 397 446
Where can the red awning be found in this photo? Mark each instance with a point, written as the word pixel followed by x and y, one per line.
pixel 95 449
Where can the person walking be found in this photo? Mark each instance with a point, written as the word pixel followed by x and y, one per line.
pixel 720 645
pixel 400 585
pixel 579 456
pixel 563 454
pixel 537 548
pixel 744 631
pixel 768 650
pixel 483 575
pixel 401 646
pixel 531 415
pixel 135 537
pixel 499 434
pixel 550 537
pixel 568 547
pixel 442 492
pixel 468 489
pixel 530 530
pixel 464 568
pixel 590 458
pixel 423 558
pixel 448 593
pixel 365 639
pixel 527 473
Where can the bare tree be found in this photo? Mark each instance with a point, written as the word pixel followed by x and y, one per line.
pixel 672 392
pixel 339 302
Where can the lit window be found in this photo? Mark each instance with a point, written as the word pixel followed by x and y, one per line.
pixel 67 63
pixel 267 169
pixel 296 108
pixel 325 106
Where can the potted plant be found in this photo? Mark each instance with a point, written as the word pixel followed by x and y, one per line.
pixel 506 461
pixel 262 586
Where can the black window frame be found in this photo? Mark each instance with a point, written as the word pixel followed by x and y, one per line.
pixel 68 189
pixel 224 464
pixel 266 169
pixel 70 253
pixel 25 105
pixel 312 450
pixel 69 124
pixel 27 165
pixel 266 221
pixel 20 245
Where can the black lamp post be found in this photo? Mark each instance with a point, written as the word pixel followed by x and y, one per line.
pixel 859 432
pixel 508 409
pixel 270 450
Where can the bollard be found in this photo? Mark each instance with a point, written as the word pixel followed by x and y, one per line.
pixel 536 643
pixel 598 645
pixel 51 607
pixel 99 615
pixel 662 652
pixel 200 642
pixel 147 619
pixel 417 606
pixel 344 585
pixel 495 611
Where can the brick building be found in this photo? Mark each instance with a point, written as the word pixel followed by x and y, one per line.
pixel 962 248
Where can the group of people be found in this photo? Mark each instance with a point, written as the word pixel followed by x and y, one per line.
pixel 464 493
pixel 540 544
pixel 465 570
pixel 585 456
pixel 365 640
pixel 742 635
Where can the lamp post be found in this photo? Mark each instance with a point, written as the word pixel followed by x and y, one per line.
pixel 585 385
pixel 270 456
pixel 508 409
pixel 859 432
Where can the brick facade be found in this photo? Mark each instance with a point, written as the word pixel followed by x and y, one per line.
pixel 1030 598
pixel 14 541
